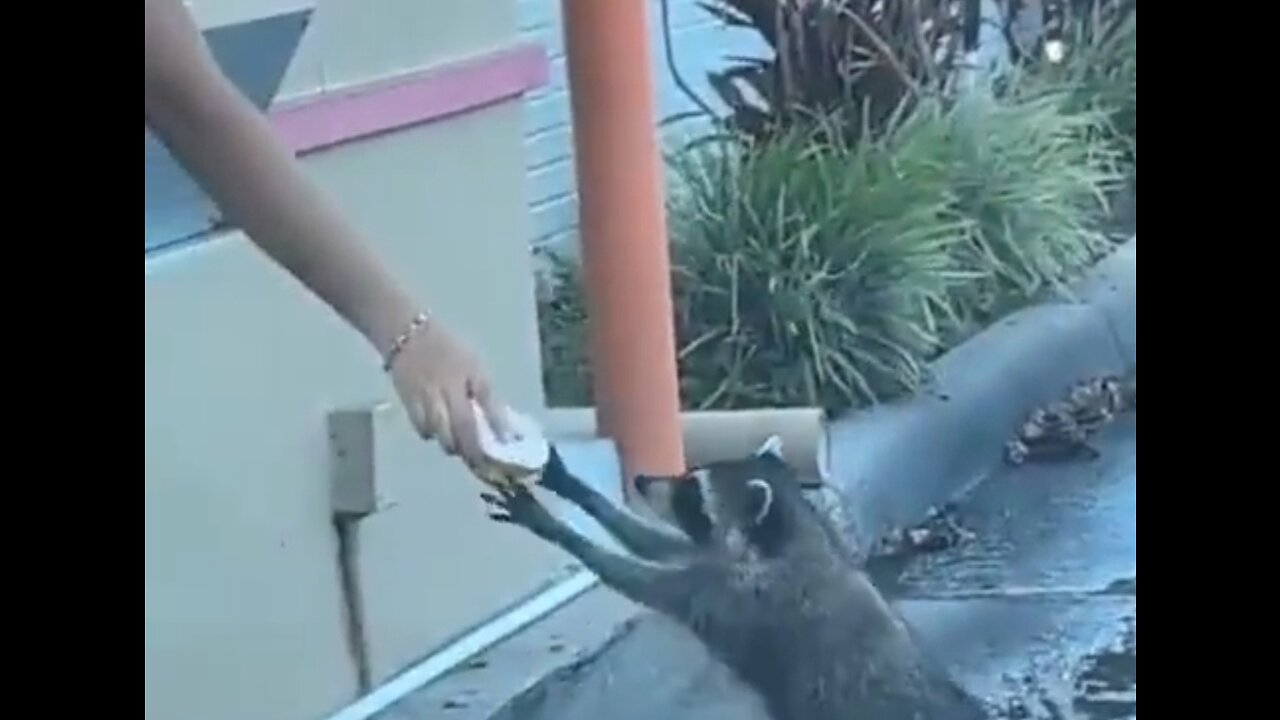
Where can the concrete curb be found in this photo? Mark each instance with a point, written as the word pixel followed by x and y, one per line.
pixel 1112 289
pixel 890 465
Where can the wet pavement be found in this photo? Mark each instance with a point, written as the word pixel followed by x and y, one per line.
pixel 1036 613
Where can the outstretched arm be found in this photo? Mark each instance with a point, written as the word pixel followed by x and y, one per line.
pixel 640 538
pixel 230 148
pixel 662 587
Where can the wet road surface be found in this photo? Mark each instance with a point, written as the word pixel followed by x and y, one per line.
pixel 1038 612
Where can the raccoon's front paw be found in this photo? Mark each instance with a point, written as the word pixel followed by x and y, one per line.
pixel 516 505
pixel 557 478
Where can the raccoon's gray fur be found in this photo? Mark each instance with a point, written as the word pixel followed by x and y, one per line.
pixel 762 579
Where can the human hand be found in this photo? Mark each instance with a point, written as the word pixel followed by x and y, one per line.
pixel 437 376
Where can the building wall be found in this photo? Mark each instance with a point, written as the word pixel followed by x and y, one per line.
pixel 245 617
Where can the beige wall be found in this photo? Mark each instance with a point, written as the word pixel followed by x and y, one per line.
pixel 244 609
pixel 357 41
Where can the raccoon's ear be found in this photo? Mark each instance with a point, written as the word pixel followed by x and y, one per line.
pixel 772 446
pixel 760 497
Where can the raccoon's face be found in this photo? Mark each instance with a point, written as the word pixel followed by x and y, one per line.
pixel 732 503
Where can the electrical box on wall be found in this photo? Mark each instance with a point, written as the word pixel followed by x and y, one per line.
pixel 356 439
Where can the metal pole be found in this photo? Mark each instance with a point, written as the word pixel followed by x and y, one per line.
pixel 623 230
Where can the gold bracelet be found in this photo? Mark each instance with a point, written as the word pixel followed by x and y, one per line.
pixel 403 339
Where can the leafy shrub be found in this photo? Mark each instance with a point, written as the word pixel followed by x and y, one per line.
pixel 811 271
pixel 1098 69
pixel 808 272
pixel 805 272
pixel 1034 180
pixel 562 327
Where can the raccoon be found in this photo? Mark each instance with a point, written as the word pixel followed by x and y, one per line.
pixel 764 582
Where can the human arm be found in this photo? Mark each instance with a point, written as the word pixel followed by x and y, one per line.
pixel 230 148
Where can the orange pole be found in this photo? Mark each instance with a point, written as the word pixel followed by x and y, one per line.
pixel 623 229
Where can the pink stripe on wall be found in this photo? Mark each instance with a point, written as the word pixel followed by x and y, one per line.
pixel 334 118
